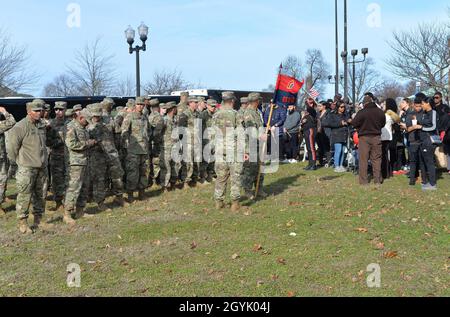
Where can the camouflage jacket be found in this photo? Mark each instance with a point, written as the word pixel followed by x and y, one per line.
pixel 225 122
pixel 156 124
pixel 135 132
pixel 77 143
pixel 5 125
pixel 27 144
pixel 252 122
pixel 169 134
pixel 56 136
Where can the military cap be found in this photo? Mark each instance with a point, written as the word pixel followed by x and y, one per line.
pixel 140 101
pixel 61 105
pixel 154 103
pixel 161 105
pixel 192 99
pixel 184 94
pixel 228 95
pixel 47 107
pixel 244 100
pixel 254 96
pixel 96 110
pixel 36 105
pixel 131 104
pixel 201 99
pixel 212 103
pixel 108 101
pixel 85 113
pixel 69 112
pixel 120 109
pixel 77 108
pixel 169 105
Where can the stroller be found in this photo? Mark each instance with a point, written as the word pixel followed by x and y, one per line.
pixel 351 160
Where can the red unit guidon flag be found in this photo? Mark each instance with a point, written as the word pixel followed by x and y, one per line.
pixel 286 91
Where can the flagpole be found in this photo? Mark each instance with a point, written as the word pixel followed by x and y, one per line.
pixel 264 148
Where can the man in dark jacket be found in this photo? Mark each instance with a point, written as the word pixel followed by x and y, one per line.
pixel 369 122
pixel 291 132
pixel 276 127
pixel 309 127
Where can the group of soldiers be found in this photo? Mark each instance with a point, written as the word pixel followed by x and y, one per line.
pixel 88 154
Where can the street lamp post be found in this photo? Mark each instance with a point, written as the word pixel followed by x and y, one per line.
pixel 354 53
pixel 336 88
pixel 336 79
pixel 345 50
pixel 448 92
pixel 130 35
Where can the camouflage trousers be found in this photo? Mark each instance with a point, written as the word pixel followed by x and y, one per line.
pixel 168 172
pixel 228 172
pixel 97 176
pixel 58 170
pixel 115 176
pixel 30 188
pixel 3 178
pixel 249 176
pixel 190 172
pixel 207 170
pixel 136 169
pixel 155 169
pixel 78 189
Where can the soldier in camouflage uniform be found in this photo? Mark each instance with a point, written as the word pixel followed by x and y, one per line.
pixel 78 144
pixel 207 172
pixel 6 124
pixel 58 154
pixel 136 142
pixel 118 120
pixel 45 118
pixel 170 137
pixel 244 106
pixel 182 107
pixel 156 123
pixel 189 123
pixel 228 169
pixel 253 122
pixel 27 147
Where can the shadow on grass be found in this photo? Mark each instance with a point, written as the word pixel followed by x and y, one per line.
pixel 276 188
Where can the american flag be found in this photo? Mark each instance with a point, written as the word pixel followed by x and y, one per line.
pixel 314 93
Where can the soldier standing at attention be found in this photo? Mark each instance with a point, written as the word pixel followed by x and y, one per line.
pixel 58 153
pixel 188 122
pixel 207 172
pixel 79 144
pixel 170 136
pixel 228 169
pixel 244 106
pixel 156 123
pixel 27 147
pixel 136 142
pixel 253 122
pixel 7 121
pixel 183 105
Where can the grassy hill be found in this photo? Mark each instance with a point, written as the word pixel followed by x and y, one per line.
pixel 314 236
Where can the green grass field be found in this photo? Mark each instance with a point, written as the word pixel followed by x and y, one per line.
pixel 177 244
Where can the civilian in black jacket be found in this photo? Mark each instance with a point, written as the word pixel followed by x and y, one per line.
pixel 291 132
pixel 413 140
pixel 338 122
pixel 309 127
pixel 324 134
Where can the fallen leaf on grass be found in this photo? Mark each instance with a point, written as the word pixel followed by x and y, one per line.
pixel 291 294
pixel 119 237
pixel 259 283
pixel 157 243
pixel 379 246
pixel 290 223
pixel 235 256
pixel 274 277
pixel 193 245
pixel 362 230
pixel 293 234
pixel 257 247
pixel 281 261
pixel 150 209
pixel 390 254
pixel 124 262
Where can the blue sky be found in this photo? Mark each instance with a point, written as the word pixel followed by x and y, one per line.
pixel 226 44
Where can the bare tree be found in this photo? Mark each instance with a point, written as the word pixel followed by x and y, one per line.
pixel 367 79
pixel 422 55
pixel 317 70
pixel 61 86
pixel 391 88
pixel 292 66
pixel 124 87
pixel 92 70
pixel 15 71
pixel 166 81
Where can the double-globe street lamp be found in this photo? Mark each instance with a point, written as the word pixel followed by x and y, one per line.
pixel 354 53
pixel 130 34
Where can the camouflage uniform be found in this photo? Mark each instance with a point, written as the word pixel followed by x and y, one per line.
pixel 156 124
pixel 78 144
pixel 252 121
pixel 58 154
pixel 188 120
pixel 27 147
pixel 5 125
pixel 169 137
pixel 181 166
pixel 227 168
pixel 118 120
pixel 207 171
pixel 135 141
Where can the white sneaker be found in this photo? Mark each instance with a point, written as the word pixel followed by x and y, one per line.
pixel 294 161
